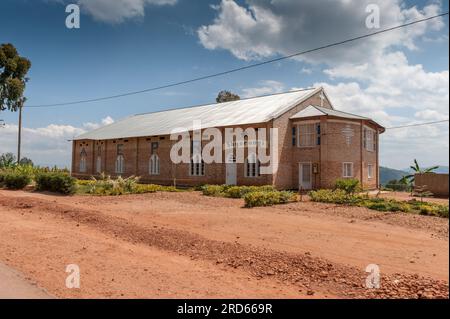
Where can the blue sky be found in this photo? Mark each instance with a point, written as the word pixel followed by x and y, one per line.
pixel 128 45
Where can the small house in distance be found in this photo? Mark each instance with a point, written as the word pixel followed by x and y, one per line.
pixel 317 144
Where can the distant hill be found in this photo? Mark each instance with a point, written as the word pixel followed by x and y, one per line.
pixel 441 170
pixel 388 174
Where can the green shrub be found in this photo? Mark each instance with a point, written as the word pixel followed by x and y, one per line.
pixel 55 182
pixel 152 188
pixel 339 196
pixel 214 190
pixel 2 177
pixel 233 191
pixel 84 182
pixel 15 180
pixel 108 186
pixel 349 185
pixel 267 198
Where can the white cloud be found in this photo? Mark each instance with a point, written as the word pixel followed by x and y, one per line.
pixel 264 88
pixel 49 145
pixel 371 77
pixel 266 28
pixel 388 84
pixel 92 126
pixel 118 11
pixel 393 92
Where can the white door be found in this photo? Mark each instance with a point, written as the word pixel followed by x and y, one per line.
pixel 305 176
pixel 231 171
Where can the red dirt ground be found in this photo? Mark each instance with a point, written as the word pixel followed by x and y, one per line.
pixel 185 245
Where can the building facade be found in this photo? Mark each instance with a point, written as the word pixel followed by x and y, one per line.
pixel 316 144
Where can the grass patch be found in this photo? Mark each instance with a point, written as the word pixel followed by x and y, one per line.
pixel 339 196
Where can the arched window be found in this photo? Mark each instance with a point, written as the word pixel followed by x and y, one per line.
pixel 252 166
pixel 98 166
pixel 83 161
pixel 197 166
pixel 154 165
pixel 120 164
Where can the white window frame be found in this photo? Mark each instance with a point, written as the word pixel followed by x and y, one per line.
pixel 98 164
pixel 370 171
pixel 120 164
pixel 197 167
pixel 344 170
pixel 154 168
pixel 252 167
pixel 311 134
pixel 369 136
pixel 83 161
pixel 83 166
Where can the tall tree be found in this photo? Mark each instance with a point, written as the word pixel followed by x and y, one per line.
pixel 13 71
pixel 227 96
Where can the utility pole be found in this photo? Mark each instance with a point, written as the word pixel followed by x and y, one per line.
pixel 20 132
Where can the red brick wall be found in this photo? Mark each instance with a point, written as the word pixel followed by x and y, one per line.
pixel 329 156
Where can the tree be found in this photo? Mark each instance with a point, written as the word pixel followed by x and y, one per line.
pixel 418 170
pixel 227 96
pixel 13 71
pixel 7 160
pixel 26 161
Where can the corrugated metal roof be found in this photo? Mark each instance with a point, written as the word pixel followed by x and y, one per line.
pixel 246 111
pixel 313 110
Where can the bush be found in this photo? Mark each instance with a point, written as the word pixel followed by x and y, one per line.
pixel 56 182
pixel 339 196
pixel 2 177
pixel 267 198
pixel 108 186
pixel 15 180
pixel 349 185
pixel 233 191
pixel 152 188
pixel 214 190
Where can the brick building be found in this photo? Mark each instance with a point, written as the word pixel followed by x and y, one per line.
pixel 316 144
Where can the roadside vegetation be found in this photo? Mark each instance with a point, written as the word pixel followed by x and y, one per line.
pixel 253 196
pixel 106 186
pixel 345 195
pixel 18 176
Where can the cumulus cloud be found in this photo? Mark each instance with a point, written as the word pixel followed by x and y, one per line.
pixel 388 85
pixel 49 145
pixel 394 92
pixel 372 77
pixel 264 88
pixel 118 11
pixel 266 28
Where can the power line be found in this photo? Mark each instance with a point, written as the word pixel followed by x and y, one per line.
pixel 242 68
pixel 416 124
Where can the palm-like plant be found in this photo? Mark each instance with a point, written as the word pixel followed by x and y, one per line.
pixel 7 160
pixel 418 170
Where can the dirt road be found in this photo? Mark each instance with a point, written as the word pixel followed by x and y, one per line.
pixel 14 286
pixel 186 245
